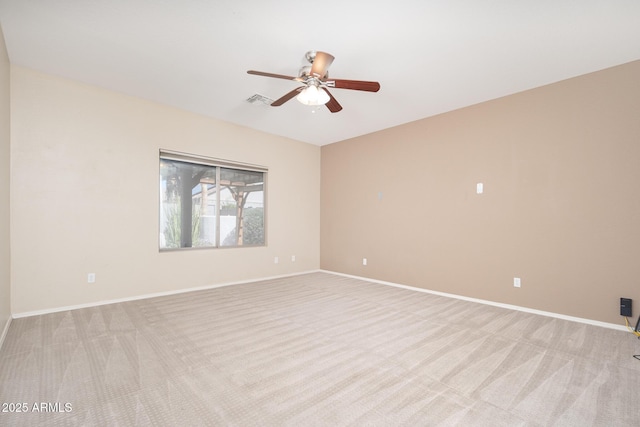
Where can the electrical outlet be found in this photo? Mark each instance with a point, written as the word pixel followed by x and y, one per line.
pixel 626 307
pixel 276 260
pixel 91 278
pixel 364 261
pixel 293 258
pixel 516 282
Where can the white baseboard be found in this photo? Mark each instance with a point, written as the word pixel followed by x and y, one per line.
pixel 153 295
pixel 4 331
pixel 487 302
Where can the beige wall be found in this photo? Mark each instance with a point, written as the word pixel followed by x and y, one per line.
pixel 84 196
pixel 5 254
pixel 561 208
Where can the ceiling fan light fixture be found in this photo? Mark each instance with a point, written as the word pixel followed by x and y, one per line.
pixel 311 95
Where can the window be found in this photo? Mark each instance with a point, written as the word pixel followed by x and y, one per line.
pixel 208 203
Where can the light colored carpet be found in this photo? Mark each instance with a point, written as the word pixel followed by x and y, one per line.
pixel 313 350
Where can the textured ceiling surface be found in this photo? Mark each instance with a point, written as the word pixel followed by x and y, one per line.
pixel 430 56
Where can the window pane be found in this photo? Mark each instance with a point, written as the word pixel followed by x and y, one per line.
pixel 242 207
pixel 204 204
pixel 187 205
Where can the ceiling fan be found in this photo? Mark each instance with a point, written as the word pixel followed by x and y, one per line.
pixel 315 81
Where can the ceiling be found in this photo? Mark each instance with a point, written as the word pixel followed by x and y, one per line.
pixel 430 56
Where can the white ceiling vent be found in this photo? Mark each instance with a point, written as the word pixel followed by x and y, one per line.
pixel 259 99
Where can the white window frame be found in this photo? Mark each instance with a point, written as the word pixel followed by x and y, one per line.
pixel 218 164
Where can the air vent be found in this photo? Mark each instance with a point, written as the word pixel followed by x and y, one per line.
pixel 259 99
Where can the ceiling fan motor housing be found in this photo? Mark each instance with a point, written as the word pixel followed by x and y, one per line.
pixel 310 56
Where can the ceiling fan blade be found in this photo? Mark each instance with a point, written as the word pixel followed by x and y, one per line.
pixel 353 84
pixel 277 76
pixel 321 64
pixel 333 105
pixel 278 102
